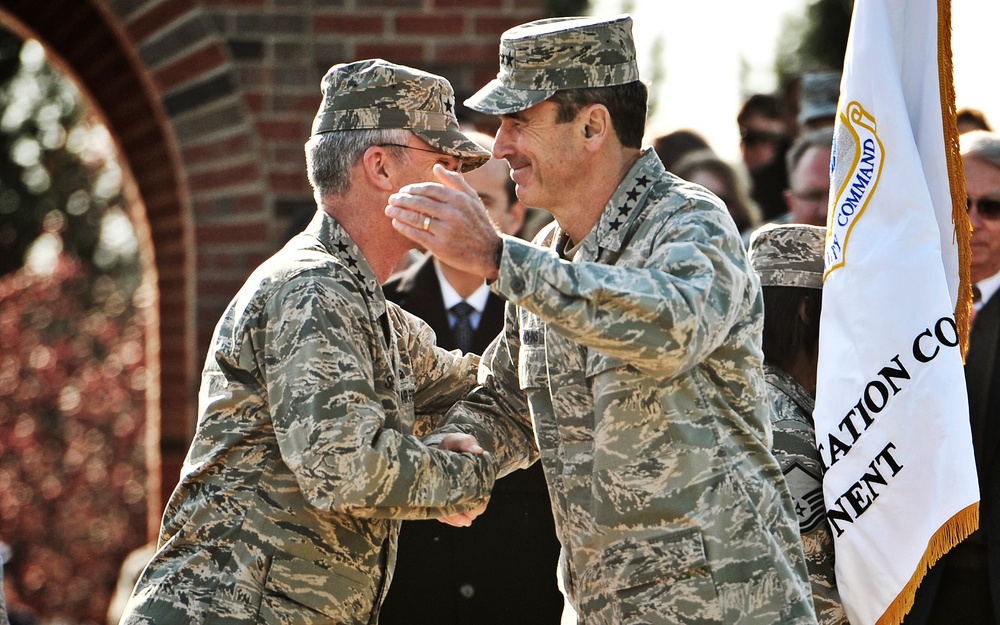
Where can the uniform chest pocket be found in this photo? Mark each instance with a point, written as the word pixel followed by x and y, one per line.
pixel 662 579
pixel 299 590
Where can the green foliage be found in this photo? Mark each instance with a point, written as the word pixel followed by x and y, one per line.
pixel 58 173
pixel 819 40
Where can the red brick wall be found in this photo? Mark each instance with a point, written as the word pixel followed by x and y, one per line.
pixel 211 101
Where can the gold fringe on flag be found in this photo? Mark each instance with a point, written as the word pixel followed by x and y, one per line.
pixel 951 533
pixel 956 176
pixel 966 521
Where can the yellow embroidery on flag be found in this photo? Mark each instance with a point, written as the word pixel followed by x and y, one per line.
pixel 867 154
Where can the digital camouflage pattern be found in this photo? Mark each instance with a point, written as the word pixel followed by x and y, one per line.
pixel 3 600
pixel 303 462
pixel 788 255
pixel 820 93
pixel 374 94
pixel 795 449
pixel 539 58
pixel 640 364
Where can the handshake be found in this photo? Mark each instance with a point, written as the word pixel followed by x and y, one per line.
pixel 462 443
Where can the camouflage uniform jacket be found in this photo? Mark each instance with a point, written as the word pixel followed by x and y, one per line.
pixel 3 601
pixel 795 449
pixel 640 364
pixel 303 461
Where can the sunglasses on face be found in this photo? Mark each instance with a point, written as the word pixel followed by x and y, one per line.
pixel 754 138
pixel 989 208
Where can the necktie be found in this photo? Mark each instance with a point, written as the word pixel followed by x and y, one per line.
pixel 463 325
pixel 977 295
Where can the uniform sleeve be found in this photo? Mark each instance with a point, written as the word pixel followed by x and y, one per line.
pixel 795 450
pixel 662 316
pixel 330 422
pixel 442 377
pixel 496 413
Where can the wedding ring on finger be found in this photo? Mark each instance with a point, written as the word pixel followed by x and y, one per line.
pixel 427 224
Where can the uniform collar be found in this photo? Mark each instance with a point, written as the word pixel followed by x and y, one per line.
pixel 340 245
pixel 789 386
pixel 623 207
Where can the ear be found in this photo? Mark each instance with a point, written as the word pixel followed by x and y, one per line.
pixel 378 166
pixel 596 125
pixel 804 309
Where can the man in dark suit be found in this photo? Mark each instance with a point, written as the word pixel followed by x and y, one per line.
pixel 501 569
pixel 964 587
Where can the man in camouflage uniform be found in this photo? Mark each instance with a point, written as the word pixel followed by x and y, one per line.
pixel 304 462
pixel 633 340
pixel 789 261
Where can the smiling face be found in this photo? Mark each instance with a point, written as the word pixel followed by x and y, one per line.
pixel 544 155
pixel 491 184
pixel 982 181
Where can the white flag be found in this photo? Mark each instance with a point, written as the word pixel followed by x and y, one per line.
pixel 892 416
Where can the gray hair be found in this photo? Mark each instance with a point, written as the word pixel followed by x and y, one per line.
pixel 822 137
pixel 330 156
pixel 981 145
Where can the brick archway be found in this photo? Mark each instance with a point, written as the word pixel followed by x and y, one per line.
pixel 142 110
pixel 210 102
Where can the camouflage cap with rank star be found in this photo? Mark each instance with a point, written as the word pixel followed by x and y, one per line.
pixel 376 94
pixel 788 255
pixel 539 58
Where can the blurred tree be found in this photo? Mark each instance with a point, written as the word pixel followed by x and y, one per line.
pixel 72 345
pixel 818 40
pixel 57 167
pixel 824 41
pixel 565 8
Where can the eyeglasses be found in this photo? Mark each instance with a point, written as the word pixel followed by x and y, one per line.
pixel 989 208
pixel 410 147
pixel 815 196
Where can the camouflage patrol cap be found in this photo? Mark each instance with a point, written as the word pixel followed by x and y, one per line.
pixel 374 94
pixel 788 255
pixel 820 92
pixel 541 57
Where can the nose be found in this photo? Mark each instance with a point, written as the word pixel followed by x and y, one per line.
pixel 975 219
pixel 503 143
